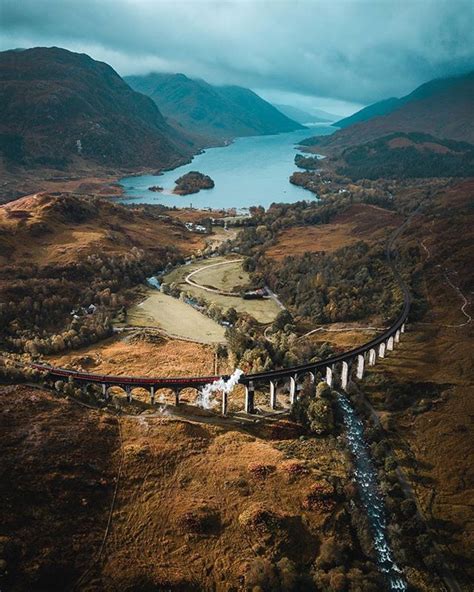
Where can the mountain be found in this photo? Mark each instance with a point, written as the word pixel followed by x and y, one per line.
pixel 325 115
pixel 304 117
pixel 214 112
pixel 380 108
pixel 63 110
pixel 442 108
pixel 407 155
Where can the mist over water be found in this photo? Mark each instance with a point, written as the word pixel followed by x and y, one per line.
pixel 249 172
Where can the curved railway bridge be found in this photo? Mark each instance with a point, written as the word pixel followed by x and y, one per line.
pixel 341 365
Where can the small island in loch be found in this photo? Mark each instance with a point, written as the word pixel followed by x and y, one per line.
pixel 155 188
pixel 192 182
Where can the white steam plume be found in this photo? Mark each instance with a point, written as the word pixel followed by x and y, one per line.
pixel 206 397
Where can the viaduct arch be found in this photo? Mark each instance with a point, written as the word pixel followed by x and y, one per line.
pixel 343 365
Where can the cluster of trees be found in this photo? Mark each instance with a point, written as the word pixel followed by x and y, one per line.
pixel 261 230
pixel 12 370
pixel 315 411
pixel 252 351
pixel 332 186
pixel 349 284
pixel 337 569
pixel 36 304
pixel 192 182
pixel 307 162
pixel 308 180
pixel 422 156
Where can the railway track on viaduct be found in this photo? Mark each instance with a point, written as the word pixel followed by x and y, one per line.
pixel 341 365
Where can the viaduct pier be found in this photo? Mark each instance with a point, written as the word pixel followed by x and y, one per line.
pixel 343 367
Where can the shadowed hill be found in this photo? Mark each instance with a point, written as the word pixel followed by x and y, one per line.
pixel 213 112
pixel 63 110
pixel 380 108
pixel 442 108
pixel 403 155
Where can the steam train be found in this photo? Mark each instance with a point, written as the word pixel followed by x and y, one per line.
pixel 128 380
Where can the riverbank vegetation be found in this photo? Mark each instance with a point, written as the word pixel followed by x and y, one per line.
pixel 69 264
pixel 407 528
pixel 307 162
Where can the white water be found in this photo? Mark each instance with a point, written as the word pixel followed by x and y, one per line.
pixel 153 282
pixel 206 398
pixel 372 499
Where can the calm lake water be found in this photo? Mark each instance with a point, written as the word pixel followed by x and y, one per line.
pixel 251 171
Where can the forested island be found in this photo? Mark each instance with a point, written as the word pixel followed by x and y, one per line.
pixel 192 182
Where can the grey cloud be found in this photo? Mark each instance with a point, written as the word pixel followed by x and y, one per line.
pixel 352 50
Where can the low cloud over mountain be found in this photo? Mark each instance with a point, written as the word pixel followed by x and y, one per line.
pixel 352 51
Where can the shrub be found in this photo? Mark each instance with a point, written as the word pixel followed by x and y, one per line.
pixel 261 471
pixel 258 518
pixel 331 553
pixel 201 519
pixel 320 497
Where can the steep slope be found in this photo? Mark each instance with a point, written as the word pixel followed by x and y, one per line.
pixel 442 108
pixel 61 110
pixel 215 112
pixel 302 116
pixel 404 155
pixel 64 229
pixel 380 108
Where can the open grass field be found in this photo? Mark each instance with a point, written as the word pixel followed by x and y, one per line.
pixel 190 494
pixel 226 278
pixel 178 275
pixel 142 353
pixel 176 318
pixel 359 222
pixel 225 275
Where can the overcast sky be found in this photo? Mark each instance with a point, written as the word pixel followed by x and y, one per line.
pixel 331 54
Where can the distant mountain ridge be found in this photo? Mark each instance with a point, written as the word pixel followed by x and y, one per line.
pixel 304 117
pixel 441 107
pixel 380 108
pixel 214 112
pixel 59 108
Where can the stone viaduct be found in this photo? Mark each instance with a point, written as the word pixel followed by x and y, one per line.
pixel 343 365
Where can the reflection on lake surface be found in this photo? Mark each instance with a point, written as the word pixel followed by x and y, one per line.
pixel 251 171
